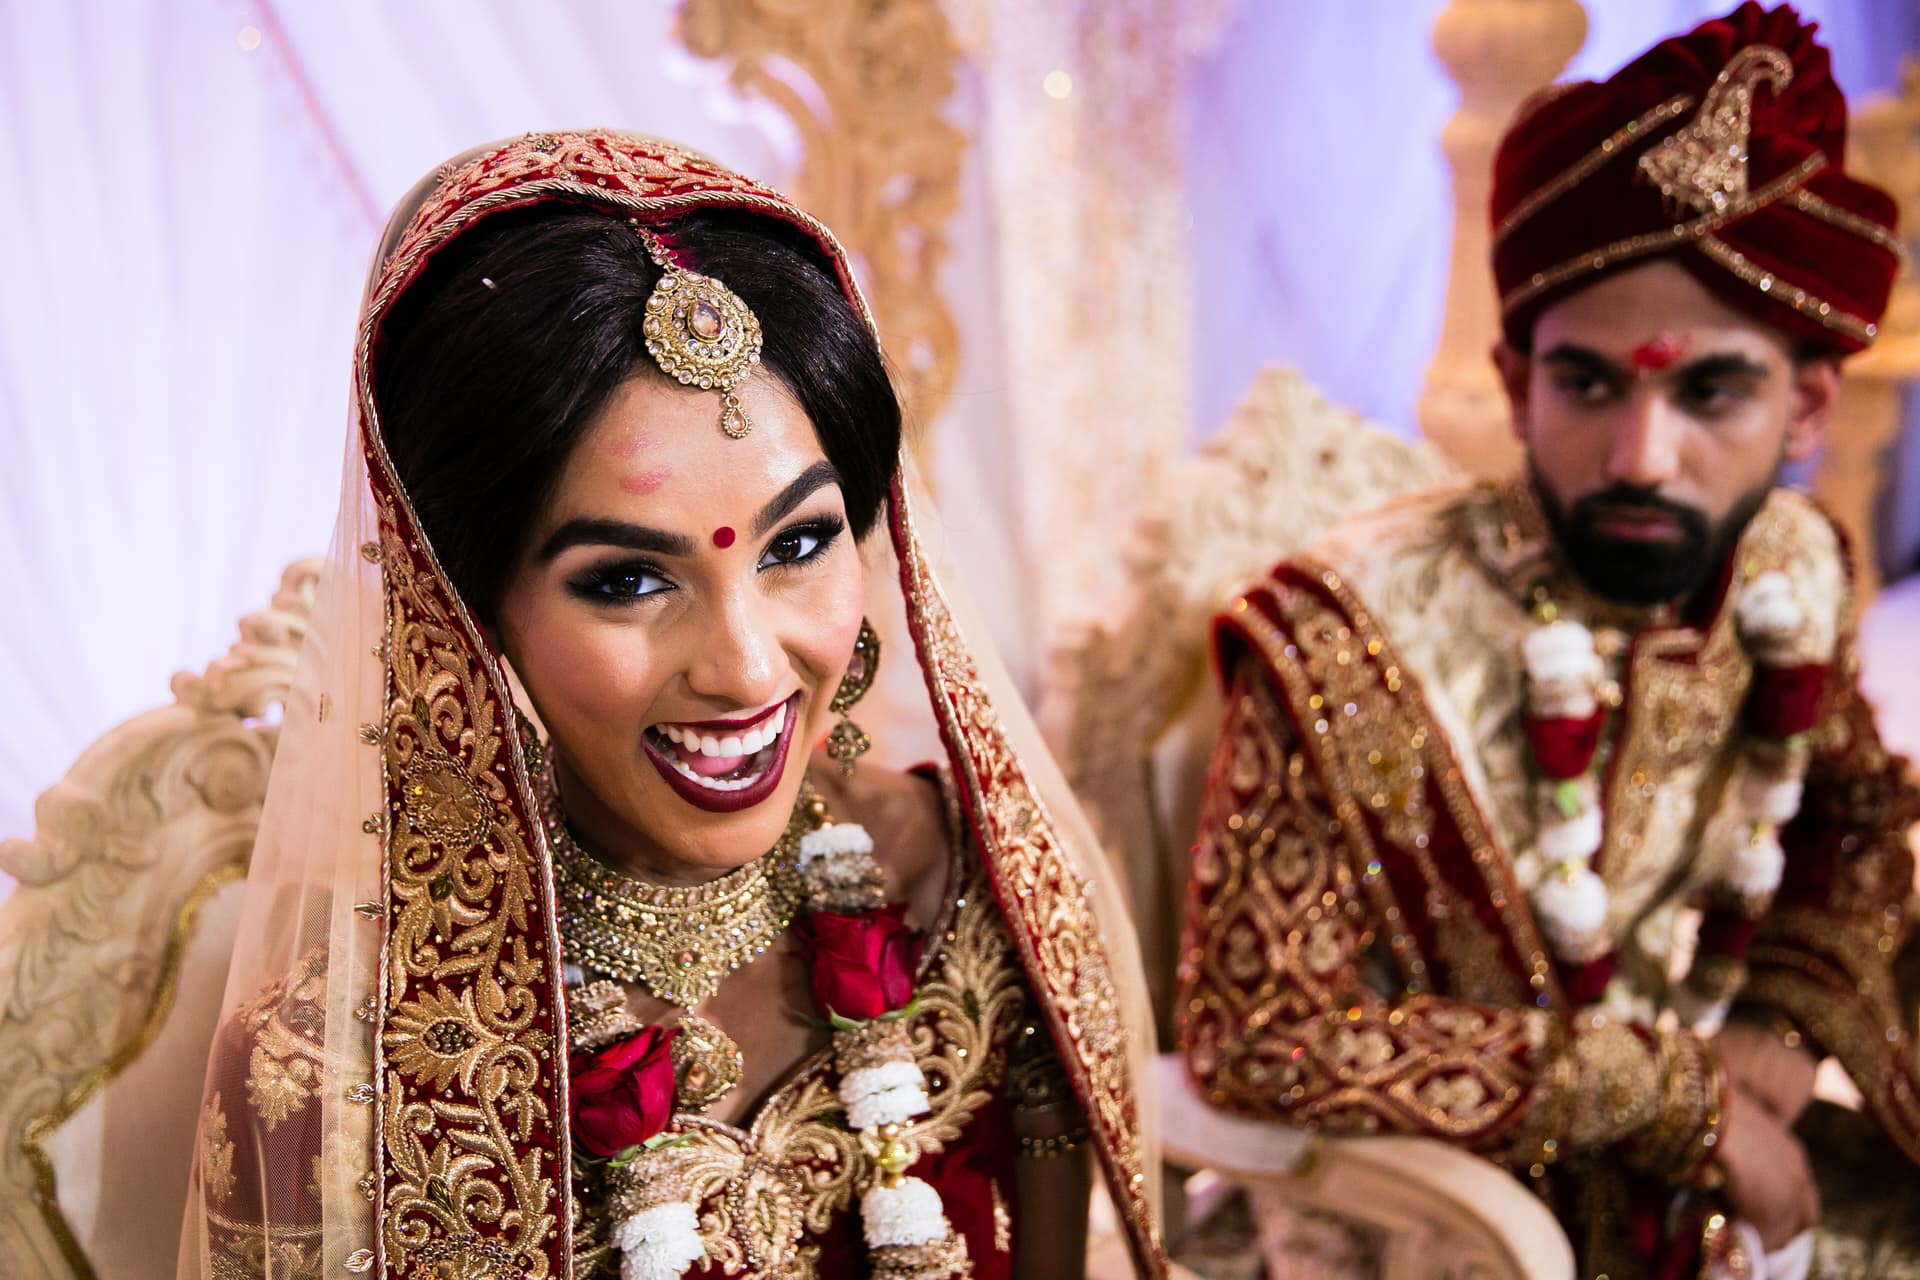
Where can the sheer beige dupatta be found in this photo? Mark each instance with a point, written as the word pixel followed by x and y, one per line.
pixel 388 1095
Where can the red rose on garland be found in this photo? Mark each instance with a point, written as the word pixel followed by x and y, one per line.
pixel 861 965
pixel 1785 701
pixel 1564 747
pixel 622 1095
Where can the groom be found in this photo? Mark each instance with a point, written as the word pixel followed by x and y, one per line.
pixel 1487 750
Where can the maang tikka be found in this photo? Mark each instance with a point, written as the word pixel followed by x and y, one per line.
pixel 700 333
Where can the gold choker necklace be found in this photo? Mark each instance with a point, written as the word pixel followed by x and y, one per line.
pixel 680 943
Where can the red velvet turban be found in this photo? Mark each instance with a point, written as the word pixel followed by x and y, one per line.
pixel 1724 149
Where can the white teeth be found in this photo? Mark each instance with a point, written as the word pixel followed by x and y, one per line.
pixel 717 784
pixel 754 740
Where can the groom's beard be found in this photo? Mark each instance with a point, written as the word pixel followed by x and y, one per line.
pixel 1634 571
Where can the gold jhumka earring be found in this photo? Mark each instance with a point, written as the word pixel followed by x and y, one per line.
pixel 699 332
pixel 847 741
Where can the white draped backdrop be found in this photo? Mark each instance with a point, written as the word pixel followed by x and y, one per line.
pixel 194 188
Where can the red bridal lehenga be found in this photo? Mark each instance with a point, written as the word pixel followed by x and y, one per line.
pixel 389 1094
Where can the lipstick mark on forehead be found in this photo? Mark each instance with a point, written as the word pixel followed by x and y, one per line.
pixel 626 446
pixel 723 537
pixel 1656 355
pixel 641 483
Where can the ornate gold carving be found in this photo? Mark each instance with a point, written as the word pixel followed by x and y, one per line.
pixel 150 823
pixel 882 163
pixel 1502 56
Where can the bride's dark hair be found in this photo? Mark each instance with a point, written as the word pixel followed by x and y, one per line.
pixel 487 370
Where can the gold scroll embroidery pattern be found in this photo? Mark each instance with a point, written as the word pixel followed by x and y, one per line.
pixel 285 1067
pixel 1276 1020
pixel 763 1190
pixel 468 1066
pixel 1416 742
pixel 249 1254
pixel 216 1150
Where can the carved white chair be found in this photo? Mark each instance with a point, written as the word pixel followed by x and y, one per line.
pixel 1134 712
pixel 113 960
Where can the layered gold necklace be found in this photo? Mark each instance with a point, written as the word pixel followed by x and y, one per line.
pixel 678 942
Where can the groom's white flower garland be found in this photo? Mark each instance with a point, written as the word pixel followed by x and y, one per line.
pixel 1565 719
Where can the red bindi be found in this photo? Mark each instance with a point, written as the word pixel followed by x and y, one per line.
pixel 1657 354
pixel 723 537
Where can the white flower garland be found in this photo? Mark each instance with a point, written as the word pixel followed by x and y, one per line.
pixel 660 1242
pixel 1570 900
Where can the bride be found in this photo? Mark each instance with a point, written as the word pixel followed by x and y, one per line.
pixel 565 952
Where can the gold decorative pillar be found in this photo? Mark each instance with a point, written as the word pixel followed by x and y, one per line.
pixel 1884 147
pixel 865 82
pixel 1499 52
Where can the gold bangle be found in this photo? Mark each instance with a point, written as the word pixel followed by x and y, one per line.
pixel 1058 1145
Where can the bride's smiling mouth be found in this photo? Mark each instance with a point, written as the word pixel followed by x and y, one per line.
pixel 724 766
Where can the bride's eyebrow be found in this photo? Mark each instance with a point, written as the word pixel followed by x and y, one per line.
pixel 798 490
pixel 585 532
pixel 614 533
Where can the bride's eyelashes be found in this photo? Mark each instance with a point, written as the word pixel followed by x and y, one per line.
pixel 802 543
pixel 629 581
pixel 620 582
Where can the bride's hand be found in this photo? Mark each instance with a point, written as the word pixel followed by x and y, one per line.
pixel 1769 1182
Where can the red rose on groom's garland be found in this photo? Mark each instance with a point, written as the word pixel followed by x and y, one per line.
pixel 622 1095
pixel 861 965
pixel 1563 747
pixel 1786 700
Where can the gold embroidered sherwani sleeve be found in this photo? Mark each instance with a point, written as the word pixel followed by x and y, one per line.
pixel 1823 955
pixel 1294 1009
